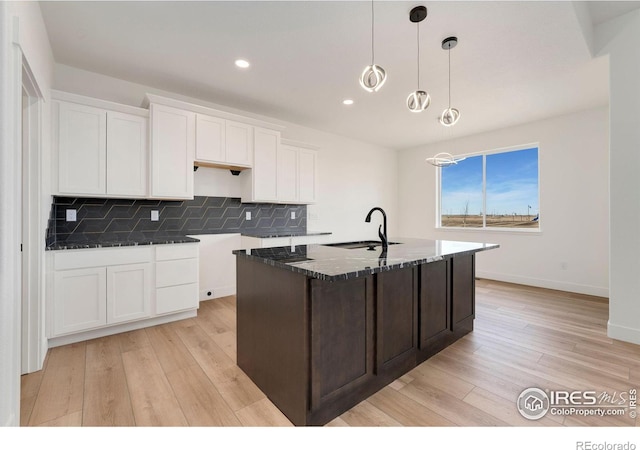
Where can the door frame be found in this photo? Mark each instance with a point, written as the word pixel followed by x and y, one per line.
pixel 33 337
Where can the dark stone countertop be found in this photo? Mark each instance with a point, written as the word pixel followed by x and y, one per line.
pixel 276 234
pixel 331 263
pixel 99 240
pixel 103 242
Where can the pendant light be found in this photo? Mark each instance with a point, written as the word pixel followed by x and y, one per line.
pixel 373 76
pixel 443 160
pixel 418 100
pixel 449 116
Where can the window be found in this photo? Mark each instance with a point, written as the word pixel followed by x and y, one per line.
pixel 496 189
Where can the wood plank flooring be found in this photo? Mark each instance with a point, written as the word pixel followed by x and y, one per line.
pixel 185 373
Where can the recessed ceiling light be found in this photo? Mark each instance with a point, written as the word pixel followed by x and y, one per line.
pixel 243 64
pixel 347 101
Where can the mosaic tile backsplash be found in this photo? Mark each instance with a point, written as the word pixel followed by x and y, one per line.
pixel 122 219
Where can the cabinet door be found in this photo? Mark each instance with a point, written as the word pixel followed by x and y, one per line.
pixel 82 147
pixel 287 174
pixel 177 298
pixel 238 144
pixel 463 290
pixel 126 155
pixel 128 292
pixel 342 338
pixel 210 139
pixel 307 183
pixel 172 152
pixel 435 309
pixel 396 293
pixel 79 301
pixel 265 165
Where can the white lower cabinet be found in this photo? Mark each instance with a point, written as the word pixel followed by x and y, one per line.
pixel 94 289
pixel 176 278
pixel 128 292
pixel 79 300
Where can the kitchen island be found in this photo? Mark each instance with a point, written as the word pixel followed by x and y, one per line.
pixel 322 327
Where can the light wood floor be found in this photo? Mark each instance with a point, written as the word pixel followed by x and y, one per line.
pixel 184 373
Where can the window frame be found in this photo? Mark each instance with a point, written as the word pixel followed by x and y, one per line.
pixel 485 228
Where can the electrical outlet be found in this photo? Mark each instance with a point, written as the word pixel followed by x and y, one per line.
pixel 71 215
pixel 293 215
pixel 247 215
pixel 155 215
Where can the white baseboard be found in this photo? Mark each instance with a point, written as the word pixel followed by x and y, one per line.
pixel 11 421
pixel 548 284
pixel 623 333
pixel 93 334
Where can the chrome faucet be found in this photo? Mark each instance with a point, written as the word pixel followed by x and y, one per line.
pixel 381 233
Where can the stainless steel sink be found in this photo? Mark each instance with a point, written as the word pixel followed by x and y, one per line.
pixel 371 245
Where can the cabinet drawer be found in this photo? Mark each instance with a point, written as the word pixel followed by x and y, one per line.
pixel 78 259
pixel 176 298
pixel 181 271
pixel 176 251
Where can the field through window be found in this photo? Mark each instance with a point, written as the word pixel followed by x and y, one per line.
pixel 494 189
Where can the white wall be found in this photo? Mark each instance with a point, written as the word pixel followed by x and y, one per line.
pixel 30 41
pixel 352 176
pixel 619 38
pixel 574 205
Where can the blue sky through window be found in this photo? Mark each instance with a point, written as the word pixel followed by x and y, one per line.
pixel 512 184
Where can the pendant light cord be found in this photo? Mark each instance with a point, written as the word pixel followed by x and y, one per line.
pixel 418 40
pixel 372 47
pixel 449 51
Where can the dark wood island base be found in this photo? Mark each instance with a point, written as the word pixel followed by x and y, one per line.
pixel 317 348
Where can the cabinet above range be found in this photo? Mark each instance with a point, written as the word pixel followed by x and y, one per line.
pixel 270 171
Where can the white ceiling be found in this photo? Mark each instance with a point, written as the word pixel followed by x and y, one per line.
pixel 515 61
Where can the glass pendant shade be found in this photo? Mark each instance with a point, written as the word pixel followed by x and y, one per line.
pixel 373 78
pixel 418 101
pixel 449 117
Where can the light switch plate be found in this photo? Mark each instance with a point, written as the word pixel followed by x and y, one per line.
pixel 293 215
pixel 71 215
pixel 247 215
pixel 155 215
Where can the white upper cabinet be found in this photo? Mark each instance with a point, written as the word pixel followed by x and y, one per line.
pixel 210 139
pixel 127 155
pixel 172 152
pixel 307 175
pixel 296 174
pixel 82 149
pixel 239 144
pixel 223 143
pixel 100 152
pixel 287 173
pixel 262 180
